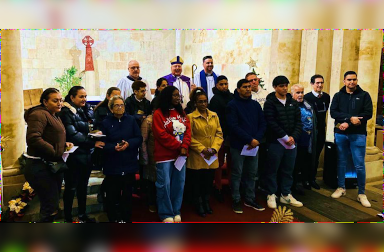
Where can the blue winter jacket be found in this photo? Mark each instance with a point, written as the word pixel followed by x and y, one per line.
pixel 116 130
pixel 245 120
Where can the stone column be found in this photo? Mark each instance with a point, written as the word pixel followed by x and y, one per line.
pixel 369 71
pixel 285 55
pixel 345 57
pixel 316 57
pixel 12 111
pixel 308 59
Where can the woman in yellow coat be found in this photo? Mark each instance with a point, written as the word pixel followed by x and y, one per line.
pixel 206 141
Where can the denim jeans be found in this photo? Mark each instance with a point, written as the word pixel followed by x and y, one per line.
pixel 351 150
pixel 170 188
pixel 279 158
pixel 248 166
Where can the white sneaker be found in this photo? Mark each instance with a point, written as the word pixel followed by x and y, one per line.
pixel 177 218
pixel 271 201
pixel 338 193
pixel 290 200
pixel 362 198
pixel 168 220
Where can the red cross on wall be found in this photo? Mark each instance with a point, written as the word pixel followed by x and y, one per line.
pixel 88 42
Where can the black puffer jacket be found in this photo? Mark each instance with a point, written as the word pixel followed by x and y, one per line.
pixel 101 113
pixel 76 122
pixel 218 104
pixel 345 105
pixel 282 120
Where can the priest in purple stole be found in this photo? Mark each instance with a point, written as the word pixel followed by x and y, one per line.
pixel 182 82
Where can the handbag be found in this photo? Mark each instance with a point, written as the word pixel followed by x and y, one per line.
pixel 56 167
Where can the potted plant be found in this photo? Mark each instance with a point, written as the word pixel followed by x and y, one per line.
pixel 68 80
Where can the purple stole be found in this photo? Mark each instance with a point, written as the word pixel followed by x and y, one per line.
pixel 171 79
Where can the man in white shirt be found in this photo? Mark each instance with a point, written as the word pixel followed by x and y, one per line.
pixel 258 94
pixel 207 77
pixel 182 82
pixel 125 83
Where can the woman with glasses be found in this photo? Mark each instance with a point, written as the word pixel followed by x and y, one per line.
pixel 172 133
pixel 206 141
pixel 123 138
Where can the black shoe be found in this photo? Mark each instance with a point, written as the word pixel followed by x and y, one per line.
pixel 85 219
pixel 254 205
pixel 236 206
pixel 206 205
pixel 199 207
pixel 314 185
pixel 306 185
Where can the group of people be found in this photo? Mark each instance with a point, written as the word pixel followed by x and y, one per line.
pixel 185 135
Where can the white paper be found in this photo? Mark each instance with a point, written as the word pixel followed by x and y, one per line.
pixel 210 160
pixel 285 139
pixel 95 135
pixel 66 154
pixel 180 162
pixel 72 150
pixel 251 152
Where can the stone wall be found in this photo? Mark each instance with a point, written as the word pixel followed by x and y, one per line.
pixel 45 55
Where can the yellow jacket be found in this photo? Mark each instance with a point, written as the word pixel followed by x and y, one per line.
pixel 205 133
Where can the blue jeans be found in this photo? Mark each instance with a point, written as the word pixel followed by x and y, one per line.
pixel 351 150
pixel 249 166
pixel 170 188
pixel 279 158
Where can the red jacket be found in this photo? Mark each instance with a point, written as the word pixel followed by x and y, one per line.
pixel 167 145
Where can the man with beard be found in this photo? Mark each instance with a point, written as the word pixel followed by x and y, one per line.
pixel 351 108
pixel 125 83
pixel 306 145
pixel 207 77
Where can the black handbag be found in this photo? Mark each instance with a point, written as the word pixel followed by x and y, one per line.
pixel 56 167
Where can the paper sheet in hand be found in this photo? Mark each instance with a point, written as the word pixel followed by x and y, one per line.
pixel 66 154
pixel 95 135
pixel 210 160
pixel 251 152
pixel 285 139
pixel 180 162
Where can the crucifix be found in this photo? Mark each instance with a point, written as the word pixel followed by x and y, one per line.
pixel 88 42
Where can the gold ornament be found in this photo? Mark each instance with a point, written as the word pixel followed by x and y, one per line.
pixel 282 215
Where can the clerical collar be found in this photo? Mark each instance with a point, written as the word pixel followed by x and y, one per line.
pixel 138 99
pixel 316 94
pixel 176 76
pixel 132 79
pixel 208 74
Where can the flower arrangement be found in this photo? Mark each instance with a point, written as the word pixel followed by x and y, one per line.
pixel 18 205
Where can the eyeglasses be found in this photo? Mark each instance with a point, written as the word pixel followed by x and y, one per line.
pixel 202 102
pixel 135 68
pixel 176 96
pixel 118 105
